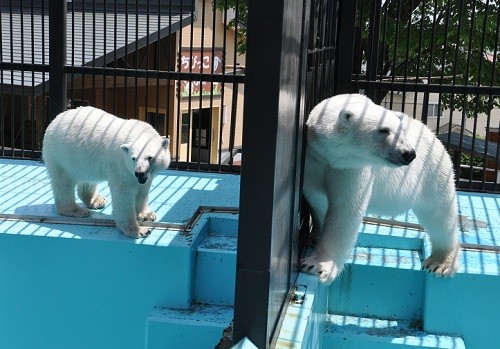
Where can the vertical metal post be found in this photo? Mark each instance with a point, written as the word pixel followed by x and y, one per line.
pixel 253 274
pixel 345 46
pixel 373 48
pixel 272 136
pixel 57 57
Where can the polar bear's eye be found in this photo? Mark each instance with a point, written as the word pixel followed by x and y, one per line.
pixel 384 130
pixel 133 158
pixel 151 159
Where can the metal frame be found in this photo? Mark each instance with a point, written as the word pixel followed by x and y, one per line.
pixel 88 71
pixel 270 186
pixel 364 16
pixel 57 57
pixel 306 51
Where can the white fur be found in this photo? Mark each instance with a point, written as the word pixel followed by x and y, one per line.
pixel 85 146
pixel 356 162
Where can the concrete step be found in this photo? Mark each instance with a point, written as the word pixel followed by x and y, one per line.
pixel 468 302
pixel 201 326
pixel 96 285
pixel 347 332
pixel 380 282
pixel 216 262
pixel 402 232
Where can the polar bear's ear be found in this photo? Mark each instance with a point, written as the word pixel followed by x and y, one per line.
pixel 125 147
pixel 345 116
pixel 165 142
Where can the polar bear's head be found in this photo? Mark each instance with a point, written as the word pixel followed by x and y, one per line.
pixel 350 131
pixel 146 156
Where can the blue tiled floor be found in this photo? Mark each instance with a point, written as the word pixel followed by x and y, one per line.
pixel 175 196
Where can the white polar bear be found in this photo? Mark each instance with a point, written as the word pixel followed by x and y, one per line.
pixel 85 146
pixel 361 157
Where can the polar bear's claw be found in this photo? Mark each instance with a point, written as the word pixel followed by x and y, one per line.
pixel 134 232
pixel 305 267
pixel 442 264
pixel 142 233
pixel 326 270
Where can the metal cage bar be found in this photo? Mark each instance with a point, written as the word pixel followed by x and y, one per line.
pixel 125 57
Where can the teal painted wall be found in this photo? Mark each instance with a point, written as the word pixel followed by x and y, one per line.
pixel 74 293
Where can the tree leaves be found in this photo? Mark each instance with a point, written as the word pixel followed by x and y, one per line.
pixel 441 42
pixel 238 23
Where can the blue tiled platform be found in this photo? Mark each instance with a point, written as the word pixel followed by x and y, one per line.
pixel 81 283
pixel 85 285
pixel 384 300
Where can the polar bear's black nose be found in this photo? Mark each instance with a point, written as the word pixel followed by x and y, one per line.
pixel 409 156
pixel 142 177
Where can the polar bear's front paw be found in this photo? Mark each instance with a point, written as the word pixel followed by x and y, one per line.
pixel 146 216
pixel 326 270
pixel 443 264
pixel 135 232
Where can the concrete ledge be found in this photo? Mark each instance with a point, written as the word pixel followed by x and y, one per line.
pixel 304 321
pixel 390 236
pixel 91 292
pixel 199 327
pixel 343 332
pixel 379 282
pixel 467 303
pixel 216 261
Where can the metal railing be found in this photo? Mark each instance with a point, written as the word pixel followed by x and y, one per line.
pixel 437 61
pixel 172 63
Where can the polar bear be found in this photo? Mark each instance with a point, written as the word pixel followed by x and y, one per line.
pixel 85 146
pixel 361 157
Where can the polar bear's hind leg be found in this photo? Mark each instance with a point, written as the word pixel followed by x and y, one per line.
pixel 87 192
pixel 63 188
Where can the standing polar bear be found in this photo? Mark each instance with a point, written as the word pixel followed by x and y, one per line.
pixel 361 157
pixel 85 146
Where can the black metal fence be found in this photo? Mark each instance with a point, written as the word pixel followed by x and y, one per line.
pixel 176 64
pixel 434 60
pixel 298 72
pixel 437 61
pixel 183 65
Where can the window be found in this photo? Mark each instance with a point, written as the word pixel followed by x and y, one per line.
pixel 158 121
pixel 75 103
pixel 185 128
pixel 434 110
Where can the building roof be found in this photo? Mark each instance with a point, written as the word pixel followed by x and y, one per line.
pixel 100 34
pixel 454 128
pixel 470 145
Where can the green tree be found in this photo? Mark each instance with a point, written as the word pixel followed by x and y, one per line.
pixel 442 41
pixel 239 23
